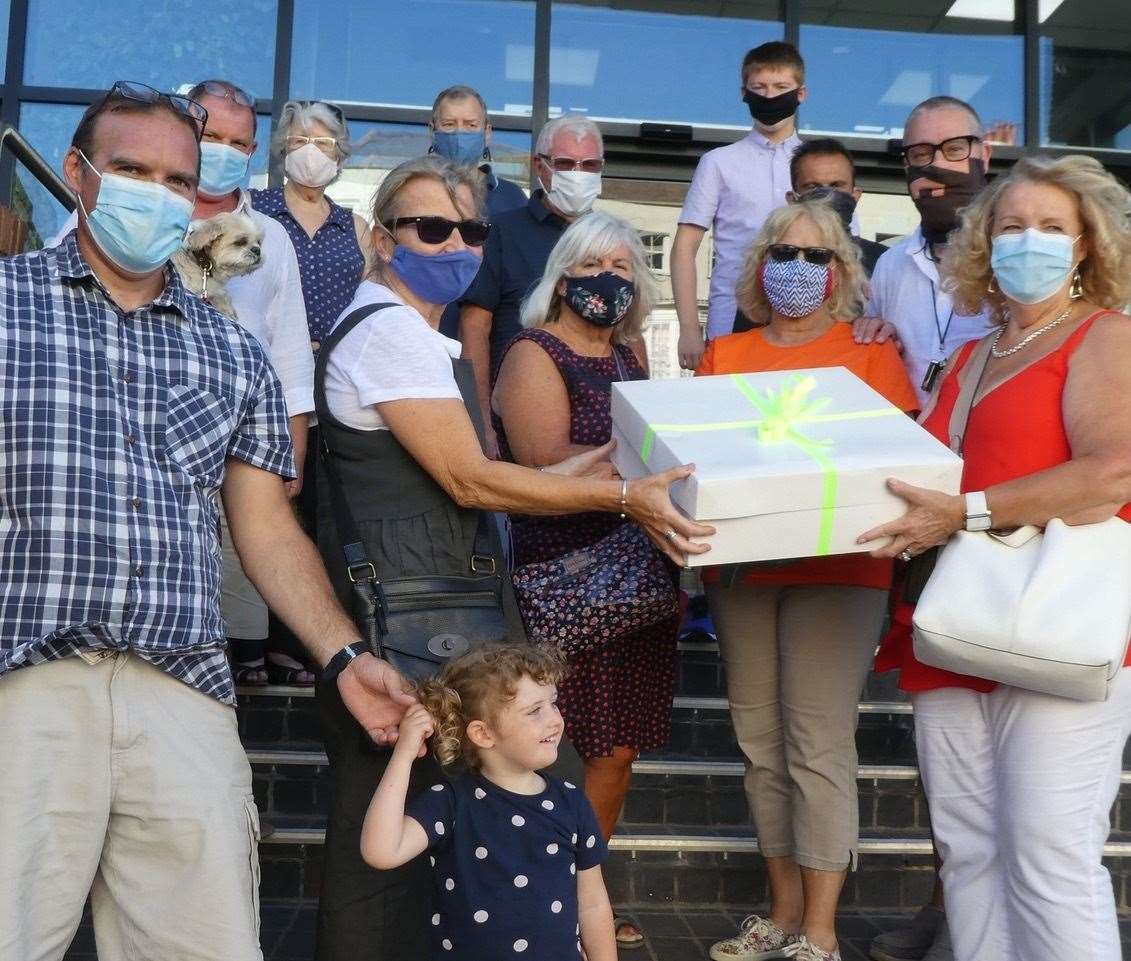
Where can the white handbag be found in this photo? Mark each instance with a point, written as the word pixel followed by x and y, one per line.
pixel 1046 611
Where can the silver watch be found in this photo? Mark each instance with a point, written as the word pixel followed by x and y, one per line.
pixel 977 512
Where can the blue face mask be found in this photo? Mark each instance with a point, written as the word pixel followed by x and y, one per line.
pixel 464 148
pixel 137 224
pixel 1031 266
pixel 436 278
pixel 222 168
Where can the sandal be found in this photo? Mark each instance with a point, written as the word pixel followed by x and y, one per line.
pixel 286 671
pixel 626 944
pixel 251 674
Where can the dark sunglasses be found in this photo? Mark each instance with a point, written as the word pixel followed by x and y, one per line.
pixel 225 90
pixel 813 255
pixel 435 230
pixel 143 93
pixel 332 107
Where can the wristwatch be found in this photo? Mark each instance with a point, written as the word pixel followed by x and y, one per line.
pixel 977 512
pixel 341 660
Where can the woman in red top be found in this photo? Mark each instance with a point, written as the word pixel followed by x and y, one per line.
pixel 1020 784
pixel 797 638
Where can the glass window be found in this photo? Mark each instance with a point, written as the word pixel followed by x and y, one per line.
pixel 615 61
pixel 1086 73
pixel 866 68
pixel 379 147
pixel 49 127
pixel 5 10
pixel 404 53
pixel 75 43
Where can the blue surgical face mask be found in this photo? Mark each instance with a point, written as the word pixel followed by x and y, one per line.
pixel 222 168
pixel 464 148
pixel 436 278
pixel 1032 266
pixel 137 224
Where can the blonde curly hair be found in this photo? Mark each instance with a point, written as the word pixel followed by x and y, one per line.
pixel 476 687
pixel 850 282
pixel 1105 209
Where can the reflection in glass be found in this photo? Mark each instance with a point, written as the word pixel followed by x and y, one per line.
pixel 868 67
pixel 1086 74
pixel 49 127
pixel 614 60
pixel 404 53
pixel 76 43
pixel 379 147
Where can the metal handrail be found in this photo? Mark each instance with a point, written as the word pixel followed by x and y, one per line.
pixel 11 139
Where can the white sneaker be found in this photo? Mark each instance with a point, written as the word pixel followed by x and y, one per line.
pixel 758 939
pixel 808 951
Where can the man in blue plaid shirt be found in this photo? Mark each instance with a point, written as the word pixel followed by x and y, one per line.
pixel 126 406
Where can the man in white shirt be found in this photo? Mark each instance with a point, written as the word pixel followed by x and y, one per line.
pixel 945 160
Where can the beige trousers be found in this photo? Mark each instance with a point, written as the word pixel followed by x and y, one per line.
pixel 796 660
pixel 123 782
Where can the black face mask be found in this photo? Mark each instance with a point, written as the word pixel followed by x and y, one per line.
pixel 843 203
pixel 602 299
pixel 939 214
pixel 771 110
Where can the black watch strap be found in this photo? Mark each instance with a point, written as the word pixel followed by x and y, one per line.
pixel 339 661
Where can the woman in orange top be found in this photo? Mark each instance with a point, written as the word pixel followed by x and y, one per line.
pixel 1021 784
pixel 798 637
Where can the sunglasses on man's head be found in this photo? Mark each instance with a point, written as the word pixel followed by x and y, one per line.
pixel 226 91
pixel 814 255
pixel 435 230
pixel 143 93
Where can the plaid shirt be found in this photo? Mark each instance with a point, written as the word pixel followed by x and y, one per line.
pixel 114 431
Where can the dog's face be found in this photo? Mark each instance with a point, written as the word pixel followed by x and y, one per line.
pixel 233 243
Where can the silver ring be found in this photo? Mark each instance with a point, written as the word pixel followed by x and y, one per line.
pixel 670 534
pixel 905 555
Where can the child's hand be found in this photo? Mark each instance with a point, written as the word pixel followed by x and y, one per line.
pixel 415 728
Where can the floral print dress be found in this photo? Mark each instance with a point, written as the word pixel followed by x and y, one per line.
pixel 619 695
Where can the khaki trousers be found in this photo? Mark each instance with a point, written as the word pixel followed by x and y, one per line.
pixel 123 782
pixel 796 659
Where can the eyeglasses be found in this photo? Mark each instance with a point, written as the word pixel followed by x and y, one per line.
pixel 328 145
pixel 332 107
pixel 812 255
pixel 435 230
pixel 952 149
pixel 143 93
pixel 225 90
pixel 591 165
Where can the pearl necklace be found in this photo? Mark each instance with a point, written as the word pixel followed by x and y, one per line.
pixel 999 354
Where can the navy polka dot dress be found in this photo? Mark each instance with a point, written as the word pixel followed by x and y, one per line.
pixel 330 264
pixel 620 695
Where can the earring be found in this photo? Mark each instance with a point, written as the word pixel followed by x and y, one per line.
pixel 990 289
pixel 1076 291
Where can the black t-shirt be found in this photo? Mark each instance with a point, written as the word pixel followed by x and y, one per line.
pixel 505 867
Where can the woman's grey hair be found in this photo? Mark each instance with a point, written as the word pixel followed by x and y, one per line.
pixel 593 235
pixel 386 202
pixel 297 117
pixel 576 124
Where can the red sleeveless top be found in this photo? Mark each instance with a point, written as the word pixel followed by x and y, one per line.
pixel 1015 430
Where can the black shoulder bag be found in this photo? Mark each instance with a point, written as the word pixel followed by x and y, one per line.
pixel 418 623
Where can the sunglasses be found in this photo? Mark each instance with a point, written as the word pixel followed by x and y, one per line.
pixel 143 93
pixel 332 107
pixel 227 91
pixel 435 230
pixel 592 165
pixel 812 255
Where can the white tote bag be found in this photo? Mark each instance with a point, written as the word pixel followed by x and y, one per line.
pixel 1047 611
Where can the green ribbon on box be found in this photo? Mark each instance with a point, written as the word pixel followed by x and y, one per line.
pixel 783 412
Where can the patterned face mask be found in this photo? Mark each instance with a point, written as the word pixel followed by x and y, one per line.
pixel 796 288
pixel 602 299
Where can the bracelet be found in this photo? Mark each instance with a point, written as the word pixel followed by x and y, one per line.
pixel 623 499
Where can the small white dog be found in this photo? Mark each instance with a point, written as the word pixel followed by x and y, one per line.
pixel 215 250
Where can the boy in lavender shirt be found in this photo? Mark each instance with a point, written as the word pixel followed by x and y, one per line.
pixel 734 189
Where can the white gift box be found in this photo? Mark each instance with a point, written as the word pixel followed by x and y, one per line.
pixel 788 463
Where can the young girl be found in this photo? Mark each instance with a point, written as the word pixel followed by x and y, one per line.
pixel 516 854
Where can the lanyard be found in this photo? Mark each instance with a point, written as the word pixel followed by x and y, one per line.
pixel 939 328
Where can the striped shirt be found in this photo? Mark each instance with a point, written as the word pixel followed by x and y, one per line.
pixel 114 431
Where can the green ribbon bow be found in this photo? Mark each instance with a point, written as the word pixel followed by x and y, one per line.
pixel 783 412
